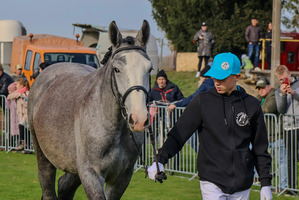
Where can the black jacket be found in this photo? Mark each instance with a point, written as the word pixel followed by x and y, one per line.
pixel 253 34
pixel 5 81
pixel 225 133
pixel 171 93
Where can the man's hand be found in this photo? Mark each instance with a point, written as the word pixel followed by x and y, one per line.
pixel 171 107
pixel 152 170
pixel 283 89
pixel 266 193
pixel 289 90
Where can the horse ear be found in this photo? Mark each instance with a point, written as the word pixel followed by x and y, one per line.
pixel 144 33
pixel 114 34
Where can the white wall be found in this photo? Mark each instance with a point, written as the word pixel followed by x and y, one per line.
pixel 9 30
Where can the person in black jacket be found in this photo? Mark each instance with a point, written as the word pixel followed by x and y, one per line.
pixel 268 45
pixel 164 90
pixel 5 81
pixel 228 121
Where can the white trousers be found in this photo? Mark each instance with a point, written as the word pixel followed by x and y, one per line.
pixel 210 191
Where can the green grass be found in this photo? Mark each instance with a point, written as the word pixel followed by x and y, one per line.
pixel 19 181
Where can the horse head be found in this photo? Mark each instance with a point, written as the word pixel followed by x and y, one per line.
pixel 130 71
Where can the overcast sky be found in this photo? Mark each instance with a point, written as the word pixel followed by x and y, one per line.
pixel 57 16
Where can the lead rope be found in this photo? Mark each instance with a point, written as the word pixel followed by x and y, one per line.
pixel 140 152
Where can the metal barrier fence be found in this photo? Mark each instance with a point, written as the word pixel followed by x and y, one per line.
pixel 10 138
pixel 283 144
pixel 283 141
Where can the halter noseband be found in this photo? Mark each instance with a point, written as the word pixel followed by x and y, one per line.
pixel 122 98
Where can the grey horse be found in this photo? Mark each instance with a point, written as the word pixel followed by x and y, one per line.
pixel 81 120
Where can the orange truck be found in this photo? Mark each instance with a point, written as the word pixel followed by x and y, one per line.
pixel 32 50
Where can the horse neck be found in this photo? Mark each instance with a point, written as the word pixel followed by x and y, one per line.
pixel 108 101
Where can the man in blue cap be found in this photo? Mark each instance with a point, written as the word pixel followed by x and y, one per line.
pixel 228 121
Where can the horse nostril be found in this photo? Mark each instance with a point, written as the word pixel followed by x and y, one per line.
pixel 131 121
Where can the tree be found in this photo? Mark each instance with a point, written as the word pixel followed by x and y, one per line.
pixel 291 11
pixel 227 20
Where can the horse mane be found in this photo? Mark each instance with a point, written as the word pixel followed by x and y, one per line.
pixel 107 56
pixel 128 40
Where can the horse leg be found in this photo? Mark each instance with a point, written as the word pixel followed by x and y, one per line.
pixel 114 191
pixel 67 186
pixel 92 182
pixel 46 172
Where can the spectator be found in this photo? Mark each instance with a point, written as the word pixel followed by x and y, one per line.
pixel 202 78
pixel 287 100
pixel 165 90
pixel 12 106
pixel 205 40
pixel 247 65
pixel 266 96
pixel 5 81
pixel 268 103
pixel 20 95
pixel 205 86
pixel 252 36
pixel 18 72
pixel 268 45
pixel 42 66
pixel 228 120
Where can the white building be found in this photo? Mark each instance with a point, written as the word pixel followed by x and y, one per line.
pixel 9 30
pixel 98 38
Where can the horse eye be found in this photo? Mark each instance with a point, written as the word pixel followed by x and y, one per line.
pixel 116 70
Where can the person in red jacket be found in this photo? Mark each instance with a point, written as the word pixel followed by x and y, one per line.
pixel 164 90
pixel 228 120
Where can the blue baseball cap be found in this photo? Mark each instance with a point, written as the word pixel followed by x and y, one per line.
pixel 224 65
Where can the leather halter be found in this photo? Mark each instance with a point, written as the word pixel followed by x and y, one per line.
pixel 122 98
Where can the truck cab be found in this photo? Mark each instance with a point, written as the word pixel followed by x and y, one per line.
pixel 35 55
pixel 33 50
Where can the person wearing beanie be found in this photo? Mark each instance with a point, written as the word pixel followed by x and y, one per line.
pixel 161 73
pixel 164 90
pixel 228 121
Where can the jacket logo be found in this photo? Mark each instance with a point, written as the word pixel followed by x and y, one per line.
pixel 225 65
pixel 242 119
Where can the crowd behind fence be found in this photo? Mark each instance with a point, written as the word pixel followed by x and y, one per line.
pixel 283 145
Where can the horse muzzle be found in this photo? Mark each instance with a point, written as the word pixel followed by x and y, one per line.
pixel 138 124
